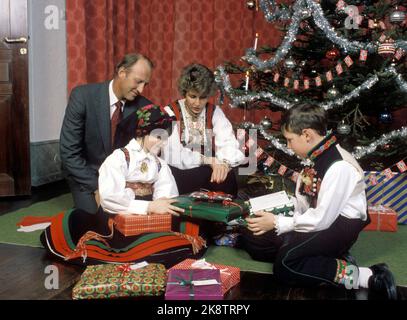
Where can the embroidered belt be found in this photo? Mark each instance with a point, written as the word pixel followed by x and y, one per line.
pixel 140 189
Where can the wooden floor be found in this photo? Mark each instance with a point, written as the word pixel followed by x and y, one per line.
pixel 22 271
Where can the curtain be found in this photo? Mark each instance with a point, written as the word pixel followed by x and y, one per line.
pixel 173 33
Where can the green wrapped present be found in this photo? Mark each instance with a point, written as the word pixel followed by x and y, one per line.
pixel 110 281
pixel 213 211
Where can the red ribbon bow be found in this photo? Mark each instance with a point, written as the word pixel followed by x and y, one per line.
pixel 124 268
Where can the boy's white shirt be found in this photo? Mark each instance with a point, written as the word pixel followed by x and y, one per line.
pixel 226 144
pixel 342 192
pixel 114 173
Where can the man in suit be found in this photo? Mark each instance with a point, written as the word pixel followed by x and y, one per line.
pixel 88 129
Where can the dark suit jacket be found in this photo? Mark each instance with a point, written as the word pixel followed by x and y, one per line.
pixel 85 134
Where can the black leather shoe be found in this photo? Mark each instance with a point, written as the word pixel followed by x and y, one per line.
pixel 381 283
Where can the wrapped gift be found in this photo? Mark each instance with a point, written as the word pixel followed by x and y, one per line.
pixel 389 190
pixel 134 224
pixel 121 280
pixel 229 276
pixel 194 284
pixel 278 203
pixel 212 211
pixel 382 219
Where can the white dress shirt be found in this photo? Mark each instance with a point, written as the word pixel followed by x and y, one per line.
pixel 114 173
pixel 342 192
pixel 113 100
pixel 226 144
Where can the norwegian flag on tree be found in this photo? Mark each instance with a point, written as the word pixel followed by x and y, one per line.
pixel 339 69
pixel 402 166
pixel 329 76
pixel 306 84
pixel 348 61
pixel 296 84
pixel 363 55
pixel 388 173
pixel 258 152
pixel 282 170
pixel 269 161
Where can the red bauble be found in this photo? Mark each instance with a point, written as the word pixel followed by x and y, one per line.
pixel 332 54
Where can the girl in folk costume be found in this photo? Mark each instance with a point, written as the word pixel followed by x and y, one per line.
pixel 132 180
pixel 311 248
pixel 202 149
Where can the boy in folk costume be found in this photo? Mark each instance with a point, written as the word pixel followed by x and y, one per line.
pixel 132 180
pixel 312 247
pixel 202 149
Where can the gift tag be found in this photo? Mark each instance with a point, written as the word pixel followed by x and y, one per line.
pixel 204 282
pixel 139 265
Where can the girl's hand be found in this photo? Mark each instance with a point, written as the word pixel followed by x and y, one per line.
pixel 163 206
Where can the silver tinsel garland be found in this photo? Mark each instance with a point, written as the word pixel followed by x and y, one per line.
pixel 324 25
pixel 236 99
pixel 239 99
pixel 401 44
pixel 278 14
pixel 320 20
pixel 399 79
pixel 369 83
pixel 274 141
pixel 286 45
pixel 385 138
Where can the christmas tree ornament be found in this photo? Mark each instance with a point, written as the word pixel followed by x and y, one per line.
pixel 290 63
pixel 332 54
pixel 397 16
pixel 266 123
pixel 387 48
pixel 343 128
pixel 332 93
pixel 251 4
pixel 385 117
pixel 305 13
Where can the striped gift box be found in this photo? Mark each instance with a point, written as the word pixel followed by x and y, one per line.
pixel 229 276
pixel 390 192
pixel 135 224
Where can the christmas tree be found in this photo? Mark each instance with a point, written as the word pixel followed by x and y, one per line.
pixel 348 57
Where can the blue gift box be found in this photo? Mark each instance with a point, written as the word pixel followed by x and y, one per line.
pixel 390 192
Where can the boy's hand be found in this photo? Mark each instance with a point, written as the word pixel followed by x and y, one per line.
pixel 261 223
pixel 163 206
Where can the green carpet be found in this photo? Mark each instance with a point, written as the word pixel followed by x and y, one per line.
pixel 8 227
pixel 371 247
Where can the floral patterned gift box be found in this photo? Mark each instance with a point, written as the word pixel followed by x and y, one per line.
pixel 110 281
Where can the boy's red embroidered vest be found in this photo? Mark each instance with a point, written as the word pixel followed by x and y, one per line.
pixel 323 156
pixel 209 109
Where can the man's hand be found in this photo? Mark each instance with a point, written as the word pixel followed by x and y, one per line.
pixel 220 170
pixel 263 222
pixel 97 198
pixel 163 206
